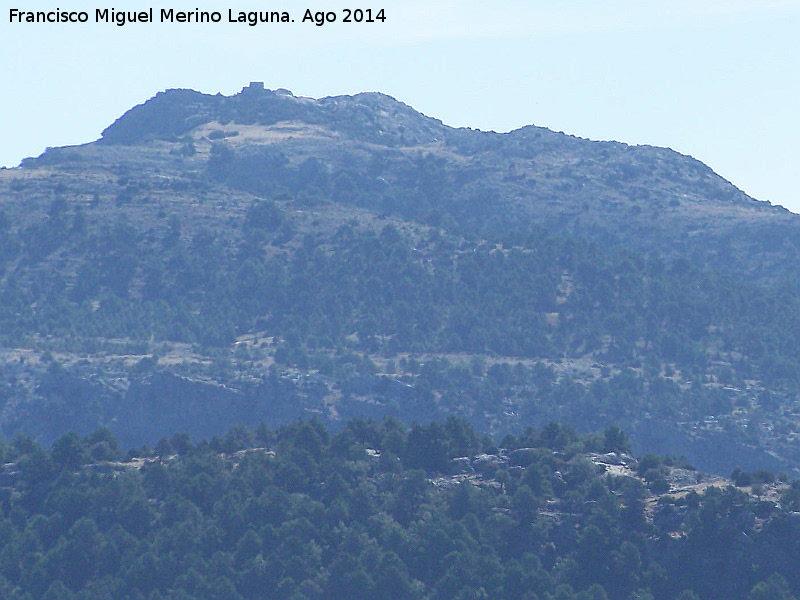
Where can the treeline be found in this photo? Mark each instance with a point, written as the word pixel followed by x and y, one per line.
pixel 377 510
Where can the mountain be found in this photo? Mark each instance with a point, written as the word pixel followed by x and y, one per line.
pixel 214 260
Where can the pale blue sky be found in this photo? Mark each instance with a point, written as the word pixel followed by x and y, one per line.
pixel 716 80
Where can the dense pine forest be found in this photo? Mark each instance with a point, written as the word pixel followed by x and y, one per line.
pixel 378 510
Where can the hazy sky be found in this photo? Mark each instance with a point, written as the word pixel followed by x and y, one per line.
pixel 716 80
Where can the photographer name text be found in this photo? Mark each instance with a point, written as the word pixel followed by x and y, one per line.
pixel 121 18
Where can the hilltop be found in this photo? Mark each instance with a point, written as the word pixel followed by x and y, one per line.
pixel 373 151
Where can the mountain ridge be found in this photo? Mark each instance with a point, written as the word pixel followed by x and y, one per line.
pixel 609 191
